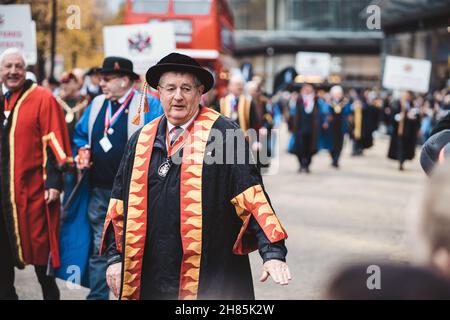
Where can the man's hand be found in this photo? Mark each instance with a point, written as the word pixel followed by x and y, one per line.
pixel 81 166
pixel 278 270
pixel 113 275
pixel 51 195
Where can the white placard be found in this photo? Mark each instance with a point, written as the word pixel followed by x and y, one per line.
pixel 18 30
pixel 144 44
pixel 407 74
pixel 314 64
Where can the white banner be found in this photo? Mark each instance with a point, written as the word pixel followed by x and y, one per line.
pixel 407 74
pixel 144 44
pixel 313 64
pixel 18 30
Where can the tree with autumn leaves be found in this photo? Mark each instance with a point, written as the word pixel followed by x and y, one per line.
pixel 79 31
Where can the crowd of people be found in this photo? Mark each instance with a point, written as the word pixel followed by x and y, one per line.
pixel 319 119
pixel 99 149
pixel 104 153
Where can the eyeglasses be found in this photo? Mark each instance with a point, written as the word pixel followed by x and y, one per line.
pixel 185 89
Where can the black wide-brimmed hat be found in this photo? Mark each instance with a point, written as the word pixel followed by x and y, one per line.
pixel 181 63
pixel 118 65
pixel 432 149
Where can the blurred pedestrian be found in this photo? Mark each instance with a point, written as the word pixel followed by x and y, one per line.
pixel 394 282
pixel 406 124
pixel 307 120
pixel 338 111
pixel 434 222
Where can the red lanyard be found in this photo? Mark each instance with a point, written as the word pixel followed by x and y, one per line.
pixel 111 120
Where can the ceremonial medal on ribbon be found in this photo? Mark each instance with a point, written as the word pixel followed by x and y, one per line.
pixel 69 117
pixel 164 168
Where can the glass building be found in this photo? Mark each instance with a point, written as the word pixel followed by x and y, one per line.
pixel 358 34
pixel 270 32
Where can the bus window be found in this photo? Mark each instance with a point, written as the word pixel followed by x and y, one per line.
pixel 192 7
pixel 150 6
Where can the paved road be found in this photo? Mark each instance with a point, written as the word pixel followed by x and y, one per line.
pixel 333 217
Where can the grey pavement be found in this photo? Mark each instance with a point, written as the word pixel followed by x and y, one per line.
pixel 360 212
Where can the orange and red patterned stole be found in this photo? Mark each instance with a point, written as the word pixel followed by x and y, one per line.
pixel 190 208
pixel 191 202
pixel 253 201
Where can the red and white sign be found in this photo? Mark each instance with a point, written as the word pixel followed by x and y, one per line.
pixel 17 30
pixel 407 74
pixel 144 44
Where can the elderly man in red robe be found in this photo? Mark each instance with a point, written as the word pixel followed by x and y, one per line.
pixel 35 148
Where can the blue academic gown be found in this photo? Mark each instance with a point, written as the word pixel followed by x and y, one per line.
pixel 328 137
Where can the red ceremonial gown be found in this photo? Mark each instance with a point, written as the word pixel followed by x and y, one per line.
pixel 34 129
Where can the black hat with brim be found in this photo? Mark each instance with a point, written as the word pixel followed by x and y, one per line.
pixel 432 148
pixel 118 65
pixel 179 63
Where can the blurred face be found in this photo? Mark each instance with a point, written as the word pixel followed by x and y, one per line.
pixel 307 90
pixel 405 96
pixel 95 79
pixel 13 72
pixel 337 95
pixel 180 96
pixel 253 90
pixel 70 88
pixel 114 86
pixel 236 86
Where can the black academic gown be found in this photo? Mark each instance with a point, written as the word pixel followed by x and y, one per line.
pixel 306 128
pixel 403 145
pixel 233 218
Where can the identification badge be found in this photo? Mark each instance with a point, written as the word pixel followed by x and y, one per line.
pixel 105 144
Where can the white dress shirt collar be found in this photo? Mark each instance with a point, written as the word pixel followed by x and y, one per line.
pixel 184 126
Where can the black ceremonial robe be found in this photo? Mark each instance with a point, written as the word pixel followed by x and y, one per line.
pixel 404 134
pixel 216 205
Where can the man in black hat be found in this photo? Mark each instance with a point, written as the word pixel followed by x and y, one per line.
pixel 105 128
pixel 181 221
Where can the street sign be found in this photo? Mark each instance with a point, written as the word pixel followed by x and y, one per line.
pixel 18 30
pixel 407 74
pixel 313 64
pixel 144 44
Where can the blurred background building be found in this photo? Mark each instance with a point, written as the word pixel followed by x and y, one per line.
pixel 270 32
pixel 418 29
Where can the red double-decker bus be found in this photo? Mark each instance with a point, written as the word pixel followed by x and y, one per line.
pixel 203 30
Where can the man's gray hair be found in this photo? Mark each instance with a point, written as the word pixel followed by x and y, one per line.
pixel 337 89
pixel 12 51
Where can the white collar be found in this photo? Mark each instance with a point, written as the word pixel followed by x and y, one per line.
pixel 124 97
pixel 4 89
pixel 184 126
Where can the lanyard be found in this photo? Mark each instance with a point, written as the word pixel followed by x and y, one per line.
pixel 111 119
